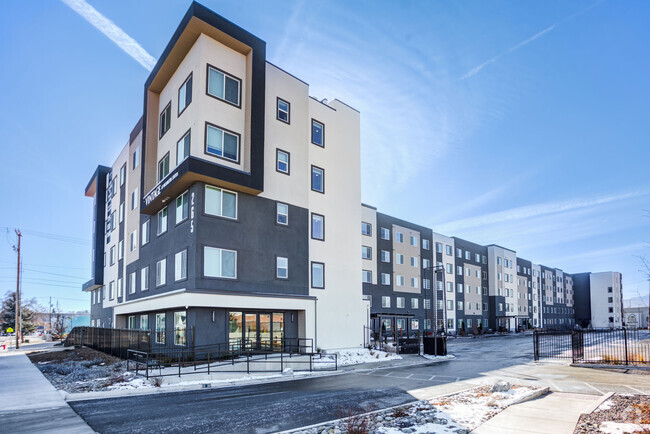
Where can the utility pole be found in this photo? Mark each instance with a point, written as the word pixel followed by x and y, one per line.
pixel 18 291
pixel 50 315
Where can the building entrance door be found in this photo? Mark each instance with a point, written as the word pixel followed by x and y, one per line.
pixel 252 336
pixel 261 330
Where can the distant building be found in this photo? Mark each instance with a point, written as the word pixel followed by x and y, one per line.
pixel 635 317
pixel 599 299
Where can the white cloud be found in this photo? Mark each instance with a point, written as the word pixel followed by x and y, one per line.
pixel 113 32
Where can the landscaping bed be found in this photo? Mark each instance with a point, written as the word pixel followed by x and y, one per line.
pixel 618 414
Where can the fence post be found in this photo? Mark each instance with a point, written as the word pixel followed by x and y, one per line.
pixel 625 338
pixel 281 363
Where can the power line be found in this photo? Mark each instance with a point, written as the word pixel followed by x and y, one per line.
pixel 55 237
pixel 31 270
pixel 49 266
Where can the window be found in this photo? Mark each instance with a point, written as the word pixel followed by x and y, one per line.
pixel 165 120
pixel 610 300
pixel 283 111
pixel 366 229
pixel 160 328
pixel 609 289
pixel 399 280
pixel 132 283
pixel 427 303
pixel 459 253
pixel 414 282
pixel 450 286
pixel 120 250
pixel 385 302
pixel 180 324
pixel 163 167
pixel 221 203
pixel 415 303
pixel 425 244
pixel 183 148
pixel 317 179
pixel 459 288
pixel 450 268
pixel 185 95
pixel 438 247
pixel 136 158
pixel 366 276
pixel 400 323
pixel 413 240
pixel 145 233
pixel 144 279
pixel 134 199
pixel 131 324
pixel 123 174
pixel 182 207
pixel 448 249
pixel 385 234
pixel 468 255
pixel 399 258
pixel 468 289
pixel 282 268
pixel 415 324
pixel 399 237
pixel 317 133
pixel 112 254
pixel 134 240
pixel 399 302
pixel 282 214
pixel 144 322
pixel 111 290
pixel 162 221
pixel 385 256
pixel 121 212
pixel 282 161
pixel 426 263
pixel 366 252
pixel 317 275
pixel 414 261
pixel 219 263
pixel 221 143
pixel 460 305
pixel 317 226
pixel 459 270
pixel 120 287
pixel 223 86
pixel 468 272
pixel 161 272
pixel 385 279
pixel 180 266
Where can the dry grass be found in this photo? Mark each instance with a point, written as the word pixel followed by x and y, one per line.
pixel 73 355
pixel 642 413
pixel 357 423
pixel 157 381
pixel 114 380
pixel 399 412
pixel 638 357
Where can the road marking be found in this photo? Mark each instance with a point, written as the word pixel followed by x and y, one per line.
pixel 555 386
pixel 635 389
pixel 457 378
pixel 597 390
pixel 432 377
pixel 410 375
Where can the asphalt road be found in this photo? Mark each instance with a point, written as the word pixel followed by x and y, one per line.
pixel 280 406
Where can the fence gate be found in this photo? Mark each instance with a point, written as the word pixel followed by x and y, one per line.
pixel 577 346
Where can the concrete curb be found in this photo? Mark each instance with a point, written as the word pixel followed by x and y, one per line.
pixel 532 396
pixel 598 403
pixel 603 366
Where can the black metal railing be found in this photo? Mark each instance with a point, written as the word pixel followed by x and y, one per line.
pixel 600 346
pixel 115 342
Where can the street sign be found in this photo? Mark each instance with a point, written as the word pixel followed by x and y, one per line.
pixel 10 330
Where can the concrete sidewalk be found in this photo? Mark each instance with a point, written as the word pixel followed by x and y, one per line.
pixel 30 403
pixel 553 413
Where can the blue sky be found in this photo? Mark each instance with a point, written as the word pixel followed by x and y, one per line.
pixel 519 123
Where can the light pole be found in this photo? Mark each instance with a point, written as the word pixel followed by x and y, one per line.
pixel 434 315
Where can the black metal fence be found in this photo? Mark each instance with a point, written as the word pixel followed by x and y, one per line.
pixel 599 346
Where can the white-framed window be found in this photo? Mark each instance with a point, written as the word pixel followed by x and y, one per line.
pixel 366 252
pixel 460 305
pixel 131 322
pixel 450 286
pixel 180 324
pixel 165 120
pixel 468 255
pixel 144 234
pixel 283 111
pixel 282 162
pixel 415 324
pixel 414 261
pixel 180 265
pixel 438 247
pixel 450 268
pixel 399 280
pixel 134 199
pixel 415 303
pixel 366 229
pixel 185 94
pixel 317 226
pixel 132 282
pixel 450 304
pixel 425 244
pixel 414 282
pixel 223 86
pixel 414 240
pixel 477 257
pixel 399 302
pixel 427 303
pixel 399 258
pixel 120 287
pixel 161 272
pixel 282 267
pixel 121 212
pixel 162 221
pixel 317 275
pixel 317 133
pixel 385 234
pixel 122 174
pixel 498 260
pixel 459 288
pixel 448 249
pixel 221 143
pixel 385 256
pixel 144 322
pixel 459 270
pixel 220 202
pixel 468 272
pixel 144 279
pixel 399 237
pixel 385 301
pixel 459 253
pixel 468 289
pixel 160 328
pixel 163 167
pixel 120 250
pixel 366 276
pixel 219 263
pixel 183 148
pixel 385 279
pixel 111 290
pixel 112 255
pixel 134 240
pixel 282 214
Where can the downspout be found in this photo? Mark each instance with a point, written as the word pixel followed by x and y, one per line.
pixel 315 323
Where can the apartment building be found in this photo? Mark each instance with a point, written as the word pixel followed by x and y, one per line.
pixel 229 209
pixel 599 299
pixel 397 274
pixel 471 290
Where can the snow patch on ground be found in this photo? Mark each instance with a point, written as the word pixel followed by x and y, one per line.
pixel 605 405
pixel 432 357
pixel 364 355
pixel 621 428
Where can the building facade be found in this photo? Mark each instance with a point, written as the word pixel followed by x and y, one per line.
pixel 599 299
pixel 229 210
